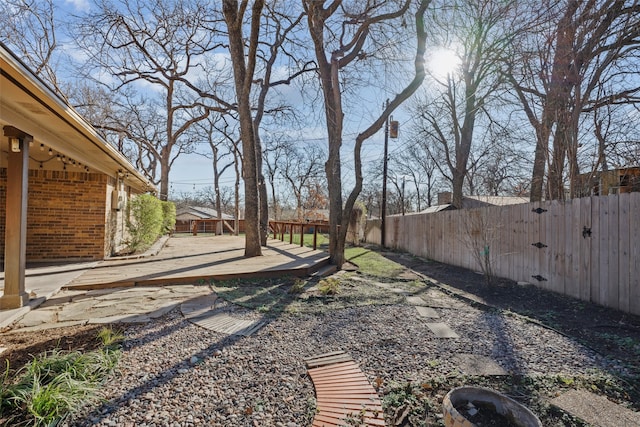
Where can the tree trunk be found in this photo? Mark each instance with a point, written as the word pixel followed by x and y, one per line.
pixel 334 116
pixel 243 76
pixel 557 107
pixel 164 174
pixel 556 169
pixel 216 188
pixel 464 146
pixel 539 167
pixel 262 189
pixel 236 200
pixel 457 184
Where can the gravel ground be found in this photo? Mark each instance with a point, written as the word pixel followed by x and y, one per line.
pixel 174 373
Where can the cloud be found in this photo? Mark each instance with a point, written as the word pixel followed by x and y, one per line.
pixel 80 5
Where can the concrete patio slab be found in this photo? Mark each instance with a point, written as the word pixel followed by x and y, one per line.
pixel 596 410
pixel 42 282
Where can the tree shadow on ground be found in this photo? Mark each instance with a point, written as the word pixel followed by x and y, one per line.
pixel 613 334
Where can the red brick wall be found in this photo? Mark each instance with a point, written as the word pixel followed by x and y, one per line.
pixel 65 216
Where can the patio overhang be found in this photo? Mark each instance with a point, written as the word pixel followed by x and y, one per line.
pixel 29 105
pixel 34 119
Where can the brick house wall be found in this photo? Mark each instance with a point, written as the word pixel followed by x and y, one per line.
pixel 65 215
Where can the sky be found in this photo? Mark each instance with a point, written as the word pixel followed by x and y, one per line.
pixel 191 172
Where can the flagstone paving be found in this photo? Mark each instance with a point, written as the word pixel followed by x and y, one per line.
pixel 596 410
pixel 115 305
pixel 475 364
pixel 427 312
pixel 416 301
pixel 442 330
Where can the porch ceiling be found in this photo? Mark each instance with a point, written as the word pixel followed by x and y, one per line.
pixel 29 105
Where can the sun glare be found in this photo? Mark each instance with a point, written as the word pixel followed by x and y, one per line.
pixel 443 62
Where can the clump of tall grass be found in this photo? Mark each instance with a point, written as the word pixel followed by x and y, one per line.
pixel 57 383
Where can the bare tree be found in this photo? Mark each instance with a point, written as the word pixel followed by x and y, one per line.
pixel 426 167
pixel 275 153
pixel 281 21
pixel 417 165
pixel 109 112
pixel 155 45
pixel 371 193
pixel 342 35
pixel 301 169
pixel 244 63
pixel 265 42
pixel 586 60
pixel 214 130
pixel 30 27
pixel 221 199
pixel 478 32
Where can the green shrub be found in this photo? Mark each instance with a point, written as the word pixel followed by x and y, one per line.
pixel 330 286
pixel 168 217
pixel 144 222
pixel 49 402
pixel 57 383
pixel 297 287
pixel 110 338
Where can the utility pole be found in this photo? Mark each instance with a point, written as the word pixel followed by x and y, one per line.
pixel 383 212
pixel 403 202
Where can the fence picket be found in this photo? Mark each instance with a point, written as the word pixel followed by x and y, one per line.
pixel 623 252
pixel 529 260
pixel 634 254
pixel 604 251
pixel 572 247
pixel 519 241
pixel 584 274
pixel 614 236
pixel 554 242
pixel 596 237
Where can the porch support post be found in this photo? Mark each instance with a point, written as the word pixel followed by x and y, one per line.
pixel 15 247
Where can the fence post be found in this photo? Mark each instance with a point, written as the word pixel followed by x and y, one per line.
pixel 315 236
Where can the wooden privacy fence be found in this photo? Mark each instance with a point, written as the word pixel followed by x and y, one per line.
pixel 588 248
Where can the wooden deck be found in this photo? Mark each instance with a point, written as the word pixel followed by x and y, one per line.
pixel 190 259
